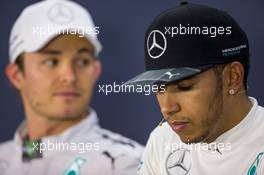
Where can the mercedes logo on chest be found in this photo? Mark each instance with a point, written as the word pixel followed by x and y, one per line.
pixel 156 44
pixel 60 14
pixel 178 162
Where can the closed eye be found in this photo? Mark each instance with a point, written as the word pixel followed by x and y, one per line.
pixel 185 88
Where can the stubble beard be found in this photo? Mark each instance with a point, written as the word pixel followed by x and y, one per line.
pixel 214 115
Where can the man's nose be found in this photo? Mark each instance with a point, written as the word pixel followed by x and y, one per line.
pixel 69 74
pixel 169 106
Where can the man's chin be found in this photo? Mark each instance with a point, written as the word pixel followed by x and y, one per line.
pixel 190 139
pixel 67 115
pixel 186 141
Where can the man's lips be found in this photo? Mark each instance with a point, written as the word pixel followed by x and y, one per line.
pixel 67 94
pixel 179 126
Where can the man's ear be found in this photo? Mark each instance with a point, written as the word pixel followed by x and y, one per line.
pixel 98 69
pixel 236 76
pixel 15 75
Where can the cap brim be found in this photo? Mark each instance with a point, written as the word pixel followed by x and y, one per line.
pixel 165 76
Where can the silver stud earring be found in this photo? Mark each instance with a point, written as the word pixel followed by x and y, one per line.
pixel 232 92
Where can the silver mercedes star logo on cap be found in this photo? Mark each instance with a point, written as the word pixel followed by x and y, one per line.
pixel 153 44
pixel 60 13
pixel 178 162
pixel 172 75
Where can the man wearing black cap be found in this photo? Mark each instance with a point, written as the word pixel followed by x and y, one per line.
pixel 201 56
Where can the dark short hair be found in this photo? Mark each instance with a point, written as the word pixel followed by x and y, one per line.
pixel 20 62
pixel 246 66
pixel 218 69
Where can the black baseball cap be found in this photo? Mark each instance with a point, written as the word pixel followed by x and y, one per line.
pixel 188 39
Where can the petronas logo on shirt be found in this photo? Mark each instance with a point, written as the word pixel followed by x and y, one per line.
pixel 253 168
pixel 140 165
pixel 75 168
pixel 30 150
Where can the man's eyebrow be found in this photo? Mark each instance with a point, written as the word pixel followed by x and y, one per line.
pixel 85 50
pixel 51 52
pixel 58 52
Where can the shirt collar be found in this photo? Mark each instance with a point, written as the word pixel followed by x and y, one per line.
pixel 69 134
pixel 237 134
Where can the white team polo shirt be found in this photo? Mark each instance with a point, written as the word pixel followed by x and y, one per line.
pixel 83 149
pixel 239 151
